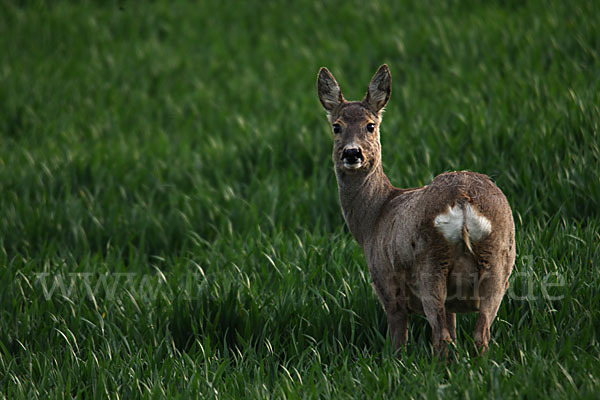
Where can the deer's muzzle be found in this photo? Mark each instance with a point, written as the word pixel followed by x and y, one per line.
pixel 352 157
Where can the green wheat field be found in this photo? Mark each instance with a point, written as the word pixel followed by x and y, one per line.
pixel 169 219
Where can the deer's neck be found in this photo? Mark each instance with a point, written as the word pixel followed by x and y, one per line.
pixel 362 198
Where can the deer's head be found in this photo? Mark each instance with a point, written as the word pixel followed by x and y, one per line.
pixel 355 124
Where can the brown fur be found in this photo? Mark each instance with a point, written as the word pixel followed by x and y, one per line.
pixel 414 268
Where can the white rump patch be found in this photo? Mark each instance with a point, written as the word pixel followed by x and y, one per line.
pixel 451 222
pixel 477 225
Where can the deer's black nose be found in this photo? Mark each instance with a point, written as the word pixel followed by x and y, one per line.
pixel 352 155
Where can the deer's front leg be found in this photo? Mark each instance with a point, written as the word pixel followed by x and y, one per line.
pixel 397 327
pixel 451 324
pixel 391 295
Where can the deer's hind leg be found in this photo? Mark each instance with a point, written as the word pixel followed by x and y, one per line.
pixel 490 297
pixel 432 291
pixel 492 284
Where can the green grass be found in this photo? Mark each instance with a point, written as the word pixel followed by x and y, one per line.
pixel 169 222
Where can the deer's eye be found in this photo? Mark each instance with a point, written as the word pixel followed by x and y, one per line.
pixel 371 128
pixel 337 128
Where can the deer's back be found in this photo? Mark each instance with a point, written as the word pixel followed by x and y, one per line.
pixel 428 221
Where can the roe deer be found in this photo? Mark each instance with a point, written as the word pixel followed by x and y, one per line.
pixel 439 249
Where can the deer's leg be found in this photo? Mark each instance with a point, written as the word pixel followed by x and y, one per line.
pixel 451 324
pixel 432 288
pixel 389 290
pixel 491 287
pixel 398 327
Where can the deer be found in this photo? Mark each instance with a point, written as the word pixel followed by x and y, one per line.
pixel 441 249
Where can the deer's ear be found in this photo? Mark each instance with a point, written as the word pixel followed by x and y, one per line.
pixel 379 91
pixel 329 91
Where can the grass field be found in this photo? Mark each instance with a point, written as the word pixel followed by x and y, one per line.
pixel 169 221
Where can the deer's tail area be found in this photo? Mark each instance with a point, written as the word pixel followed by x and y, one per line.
pixel 475 226
pixel 465 236
pixel 463 222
